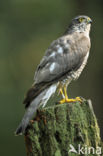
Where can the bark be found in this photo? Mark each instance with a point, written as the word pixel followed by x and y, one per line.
pixel 58 127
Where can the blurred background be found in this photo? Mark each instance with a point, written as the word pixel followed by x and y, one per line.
pixel 27 27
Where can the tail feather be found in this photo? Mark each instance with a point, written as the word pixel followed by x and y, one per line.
pixel 41 99
pixel 19 130
pixel 34 92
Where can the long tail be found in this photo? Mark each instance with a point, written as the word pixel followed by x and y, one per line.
pixel 41 99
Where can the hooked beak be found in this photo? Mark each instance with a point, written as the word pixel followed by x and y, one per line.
pixel 89 21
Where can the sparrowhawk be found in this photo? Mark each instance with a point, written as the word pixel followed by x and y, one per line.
pixel 63 62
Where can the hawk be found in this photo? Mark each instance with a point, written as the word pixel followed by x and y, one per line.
pixel 63 62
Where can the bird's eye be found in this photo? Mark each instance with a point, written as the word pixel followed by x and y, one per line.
pixel 81 20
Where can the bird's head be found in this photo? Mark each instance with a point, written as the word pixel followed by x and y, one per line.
pixel 80 24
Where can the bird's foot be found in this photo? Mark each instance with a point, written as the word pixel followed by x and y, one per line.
pixel 78 99
pixel 70 100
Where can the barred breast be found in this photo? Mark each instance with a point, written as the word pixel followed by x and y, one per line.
pixel 75 75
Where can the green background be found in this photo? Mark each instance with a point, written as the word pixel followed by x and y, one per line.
pixel 27 27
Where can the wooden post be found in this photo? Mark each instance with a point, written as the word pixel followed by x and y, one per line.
pixel 61 127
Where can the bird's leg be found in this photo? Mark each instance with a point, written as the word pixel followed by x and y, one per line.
pixel 66 99
pixel 65 93
pixel 61 92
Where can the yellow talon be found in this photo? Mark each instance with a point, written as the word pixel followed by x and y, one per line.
pixel 66 101
pixel 61 101
pixel 70 100
pixel 78 99
pixel 65 96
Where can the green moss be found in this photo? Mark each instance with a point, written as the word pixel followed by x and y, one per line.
pixel 57 153
pixel 62 125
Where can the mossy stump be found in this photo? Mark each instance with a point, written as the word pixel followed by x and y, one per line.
pixel 61 126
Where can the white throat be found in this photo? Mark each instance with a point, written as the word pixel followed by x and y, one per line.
pixel 86 31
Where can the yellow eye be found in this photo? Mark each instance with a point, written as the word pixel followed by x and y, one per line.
pixel 81 20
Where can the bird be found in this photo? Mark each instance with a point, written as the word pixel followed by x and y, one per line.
pixel 63 62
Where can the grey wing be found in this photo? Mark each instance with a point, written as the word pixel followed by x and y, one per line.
pixel 60 58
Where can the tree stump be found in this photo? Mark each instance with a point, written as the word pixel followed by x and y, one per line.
pixel 64 130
